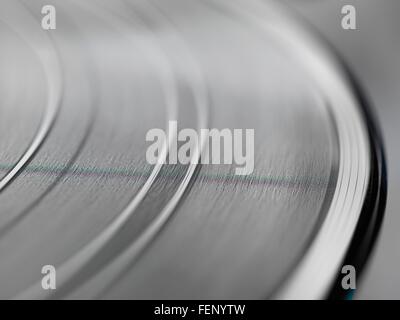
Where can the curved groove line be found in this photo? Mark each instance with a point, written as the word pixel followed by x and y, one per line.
pixel 54 83
pixel 5 229
pixel 81 258
pixel 128 258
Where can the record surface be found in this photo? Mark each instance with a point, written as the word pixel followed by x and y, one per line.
pixel 77 192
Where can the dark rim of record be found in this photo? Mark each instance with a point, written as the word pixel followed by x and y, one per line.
pixel 371 217
pixel 372 213
pixel 373 209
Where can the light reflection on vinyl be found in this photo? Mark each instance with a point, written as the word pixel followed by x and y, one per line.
pixel 76 191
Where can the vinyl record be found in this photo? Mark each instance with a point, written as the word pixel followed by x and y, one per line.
pixel 77 191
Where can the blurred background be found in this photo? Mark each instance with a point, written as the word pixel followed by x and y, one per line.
pixel 372 51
